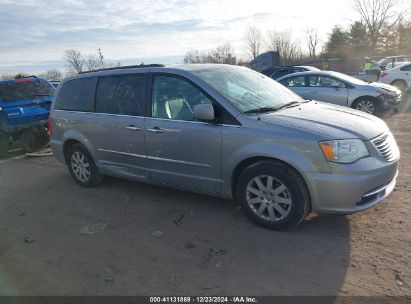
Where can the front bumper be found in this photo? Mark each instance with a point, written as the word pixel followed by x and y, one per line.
pixel 390 101
pixel 352 188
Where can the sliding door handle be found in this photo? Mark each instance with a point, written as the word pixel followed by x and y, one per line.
pixel 133 128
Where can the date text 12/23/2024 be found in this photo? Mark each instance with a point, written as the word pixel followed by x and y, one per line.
pixel 203 299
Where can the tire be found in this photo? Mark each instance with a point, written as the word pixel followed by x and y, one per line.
pixel 4 144
pixel 82 167
pixel 35 139
pixel 286 205
pixel 367 105
pixel 400 84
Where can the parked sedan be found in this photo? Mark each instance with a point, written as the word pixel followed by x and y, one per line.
pixel 281 71
pixel 399 76
pixel 343 90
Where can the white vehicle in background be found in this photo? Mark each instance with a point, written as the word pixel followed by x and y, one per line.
pixel 394 65
pixel 399 76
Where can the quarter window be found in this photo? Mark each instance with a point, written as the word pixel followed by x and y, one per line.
pixel 122 95
pixel 77 95
pixel 174 98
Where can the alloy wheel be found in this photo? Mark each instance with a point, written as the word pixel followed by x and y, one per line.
pixel 269 198
pixel 80 166
pixel 366 106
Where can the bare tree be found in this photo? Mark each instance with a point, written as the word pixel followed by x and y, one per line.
pixel 377 14
pixel 283 43
pixel 92 62
pixel 194 56
pixel 253 41
pixel 223 54
pixel 311 36
pixel 74 60
pixel 53 74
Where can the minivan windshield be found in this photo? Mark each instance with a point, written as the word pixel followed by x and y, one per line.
pixel 24 89
pixel 248 90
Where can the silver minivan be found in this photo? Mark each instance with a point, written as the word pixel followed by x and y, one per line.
pixel 225 131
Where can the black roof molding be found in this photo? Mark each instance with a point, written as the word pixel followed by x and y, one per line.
pixel 126 67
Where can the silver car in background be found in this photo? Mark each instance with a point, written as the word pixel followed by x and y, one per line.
pixel 225 131
pixel 343 90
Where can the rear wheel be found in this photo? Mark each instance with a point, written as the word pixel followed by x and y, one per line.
pixel 367 105
pixel 273 195
pixel 82 167
pixel 4 144
pixel 400 85
pixel 35 139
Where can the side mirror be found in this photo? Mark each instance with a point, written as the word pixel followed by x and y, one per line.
pixel 203 112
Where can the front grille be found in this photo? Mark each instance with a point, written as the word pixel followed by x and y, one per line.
pixel 387 146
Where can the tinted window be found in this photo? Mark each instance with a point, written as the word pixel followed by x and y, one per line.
pixel 280 73
pixel 406 68
pixel 121 95
pixel 174 98
pixel 25 89
pixel 324 81
pixel 77 95
pixel 295 81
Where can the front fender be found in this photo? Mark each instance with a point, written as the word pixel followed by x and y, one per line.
pixel 307 159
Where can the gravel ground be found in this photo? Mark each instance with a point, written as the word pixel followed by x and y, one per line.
pixel 151 240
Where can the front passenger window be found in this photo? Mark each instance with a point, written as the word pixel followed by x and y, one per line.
pixel 174 98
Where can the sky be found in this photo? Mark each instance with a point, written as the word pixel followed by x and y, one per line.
pixel 34 33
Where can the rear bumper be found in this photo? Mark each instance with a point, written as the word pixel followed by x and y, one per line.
pixel 57 148
pixel 354 188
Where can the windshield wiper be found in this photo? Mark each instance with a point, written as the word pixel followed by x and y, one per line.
pixel 262 110
pixel 289 105
pixel 272 109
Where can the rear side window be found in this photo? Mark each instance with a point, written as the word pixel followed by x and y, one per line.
pixel 406 68
pixel 121 95
pixel 77 95
pixel 25 89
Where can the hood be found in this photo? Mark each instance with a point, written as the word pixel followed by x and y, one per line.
pixel 333 122
pixel 386 87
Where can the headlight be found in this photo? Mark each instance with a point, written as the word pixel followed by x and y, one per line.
pixel 344 151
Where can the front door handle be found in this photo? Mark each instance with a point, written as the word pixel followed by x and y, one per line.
pixel 156 130
pixel 133 128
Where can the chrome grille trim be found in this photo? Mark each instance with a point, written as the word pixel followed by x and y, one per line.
pixel 386 146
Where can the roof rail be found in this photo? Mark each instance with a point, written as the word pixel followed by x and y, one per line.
pixel 126 67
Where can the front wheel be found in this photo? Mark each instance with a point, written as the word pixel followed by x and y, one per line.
pixel 367 105
pixel 273 195
pixel 82 167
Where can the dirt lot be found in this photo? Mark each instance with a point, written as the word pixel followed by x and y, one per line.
pixel 159 241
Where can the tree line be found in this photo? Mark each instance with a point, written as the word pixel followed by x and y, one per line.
pixel 382 29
